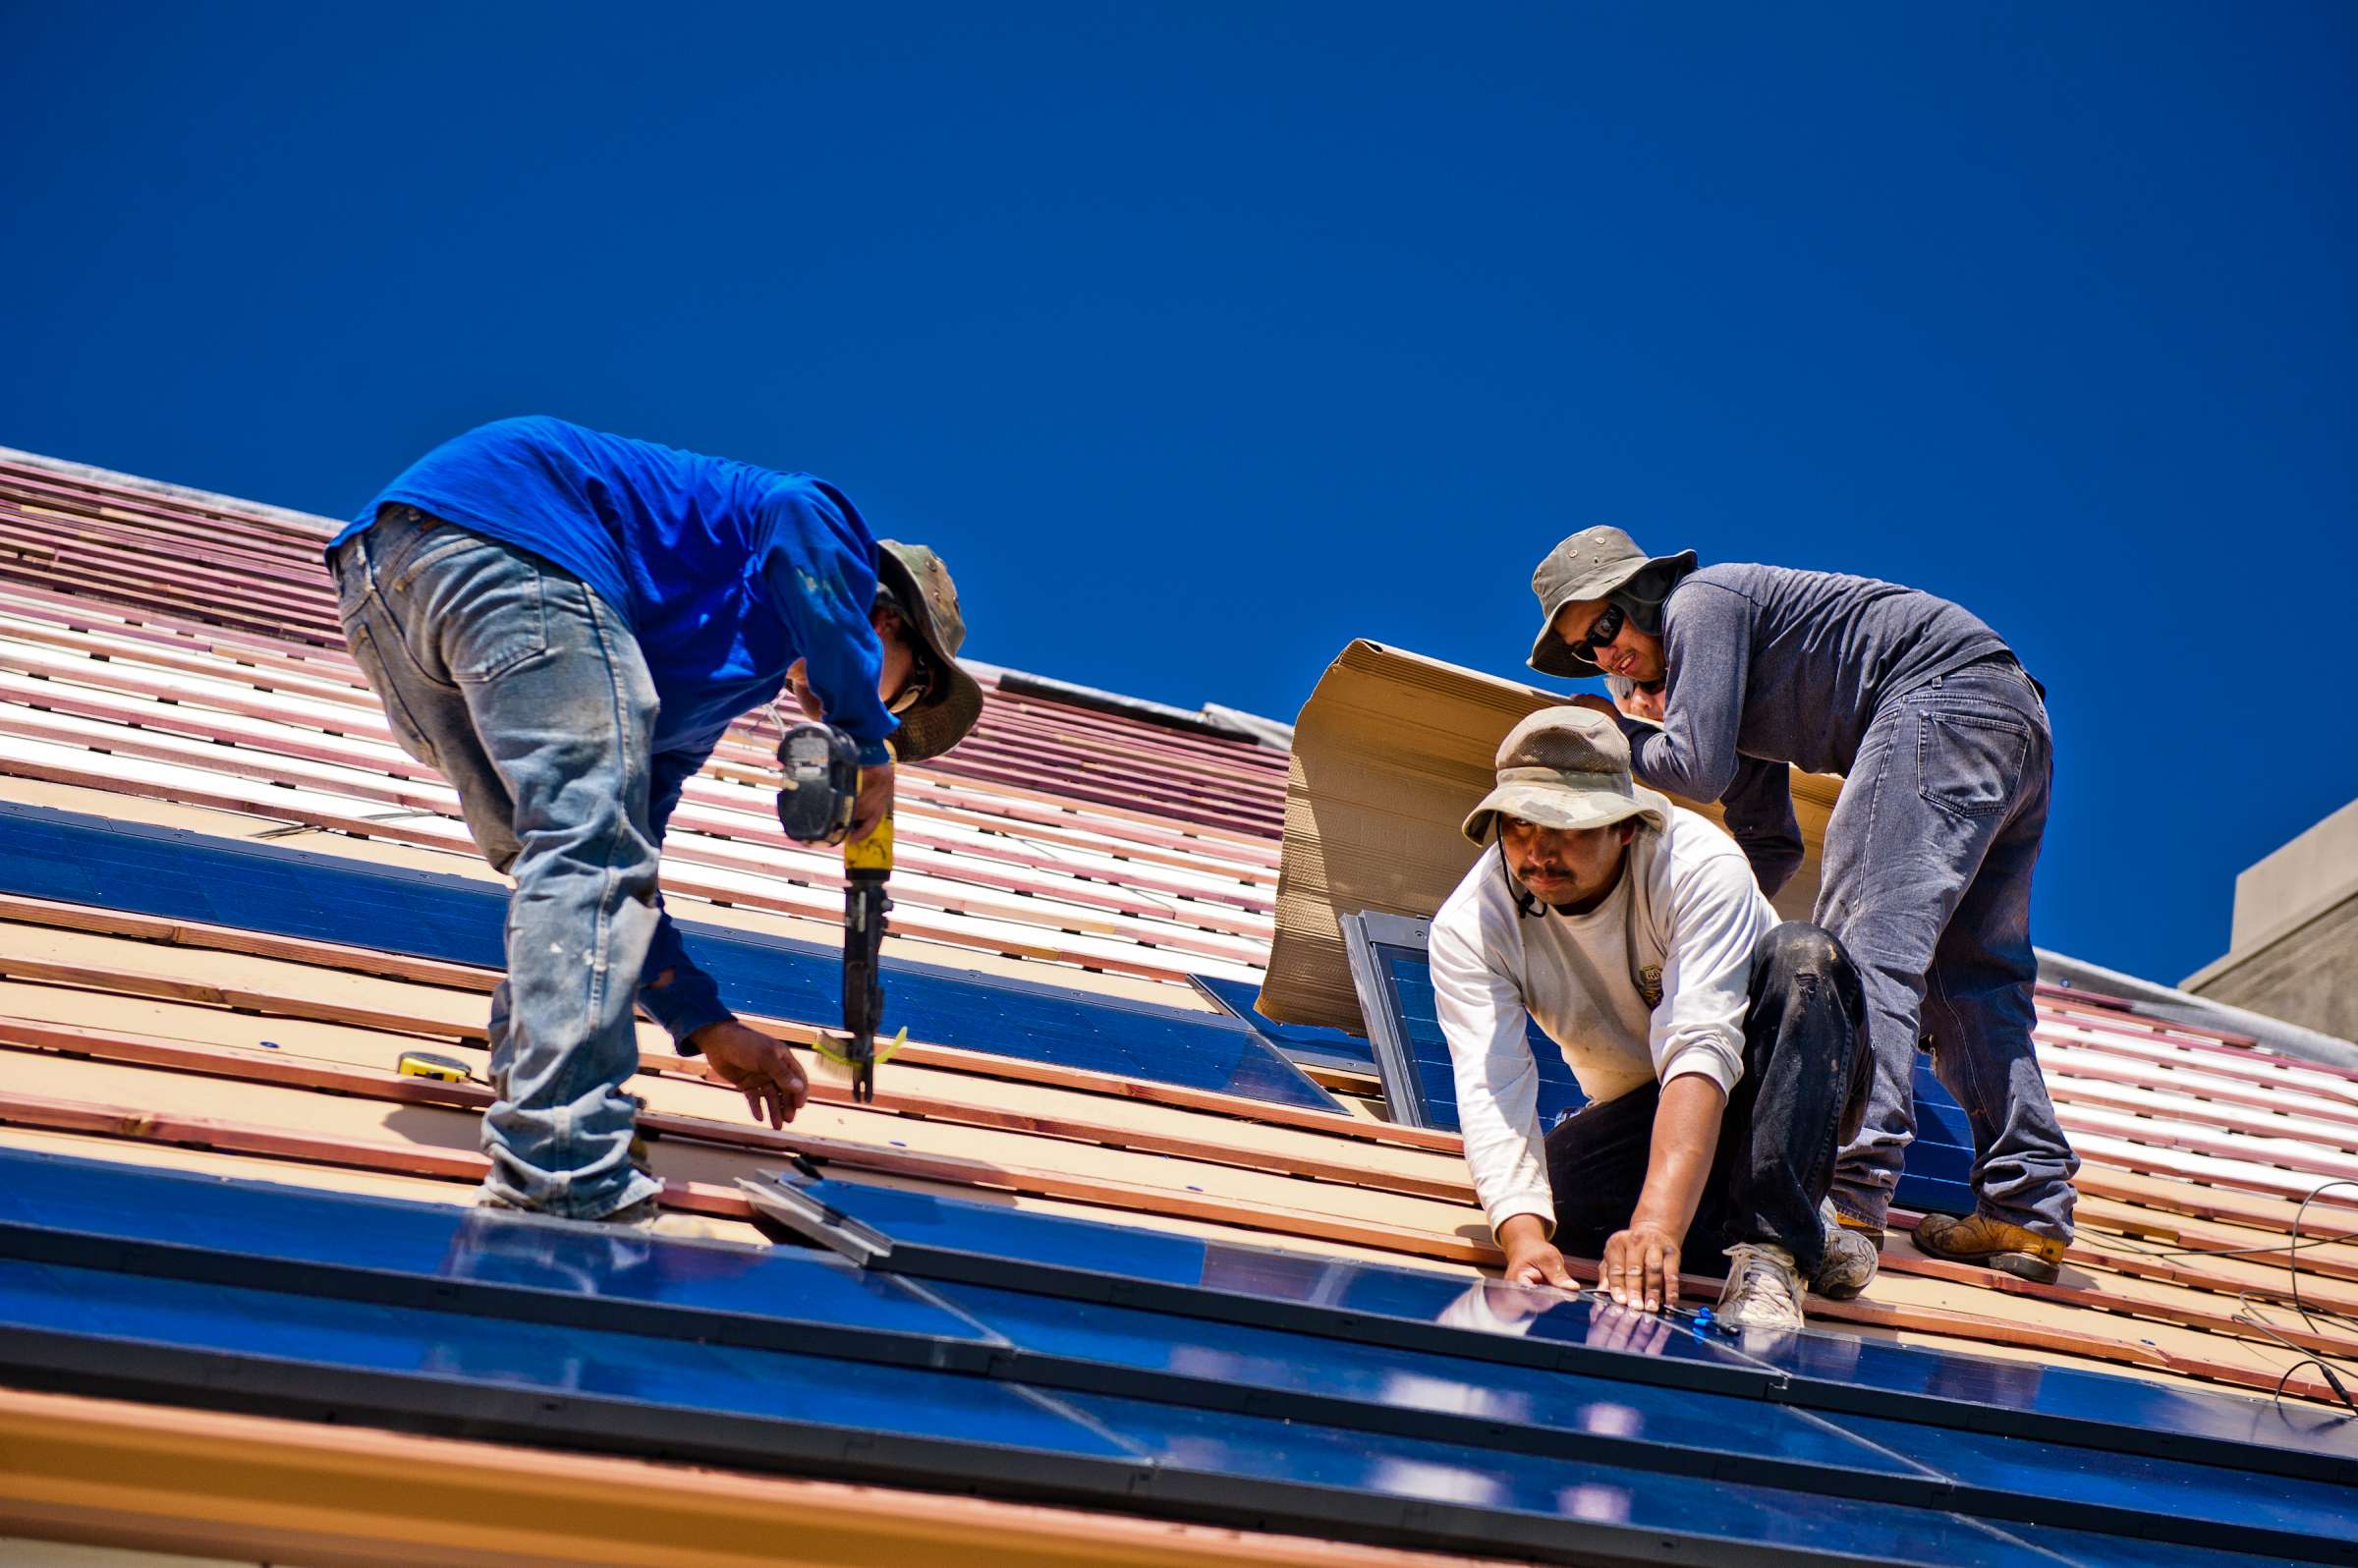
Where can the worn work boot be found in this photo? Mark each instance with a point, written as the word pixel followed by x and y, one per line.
pixel 1847 1266
pixel 1763 1290
pixel 1991 1242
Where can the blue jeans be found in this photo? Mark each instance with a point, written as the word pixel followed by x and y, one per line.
pixel 530 696
pixel 1926 882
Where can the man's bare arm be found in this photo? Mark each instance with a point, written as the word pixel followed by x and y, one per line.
pixel 1641 1262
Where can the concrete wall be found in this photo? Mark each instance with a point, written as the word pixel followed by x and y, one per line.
pixel 2293 951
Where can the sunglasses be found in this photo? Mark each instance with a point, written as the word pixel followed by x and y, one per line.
pixel 1601 631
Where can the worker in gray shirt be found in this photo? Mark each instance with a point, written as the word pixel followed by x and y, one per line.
pixel 1944 743
pixel 1755 808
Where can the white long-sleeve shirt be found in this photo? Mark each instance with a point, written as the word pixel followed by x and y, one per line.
pixel 1697 916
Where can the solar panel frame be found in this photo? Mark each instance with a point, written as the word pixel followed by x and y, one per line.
pixel 1412 1055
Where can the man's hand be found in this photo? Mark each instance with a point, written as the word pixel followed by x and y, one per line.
pixel 1595 705
pixel 1640 1266
pixel 1531 1258
pixel 875 802
pixel 764 1070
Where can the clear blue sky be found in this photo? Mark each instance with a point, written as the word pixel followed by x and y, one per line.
pixel 1205 337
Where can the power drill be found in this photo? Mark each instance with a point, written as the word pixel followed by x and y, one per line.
pixel 816 804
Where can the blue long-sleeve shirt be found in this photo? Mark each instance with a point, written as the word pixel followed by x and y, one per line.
pixel 726 573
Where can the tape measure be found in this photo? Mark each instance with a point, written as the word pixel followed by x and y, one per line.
pixel 424 1064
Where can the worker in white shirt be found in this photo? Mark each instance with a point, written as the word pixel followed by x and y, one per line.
pixel 1723 1054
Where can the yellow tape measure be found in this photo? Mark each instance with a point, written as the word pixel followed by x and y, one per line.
pixel 424 1064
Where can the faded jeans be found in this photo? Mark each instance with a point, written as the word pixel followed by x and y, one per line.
pixel 1926 880
pixel 1803 1091
pixel 530 696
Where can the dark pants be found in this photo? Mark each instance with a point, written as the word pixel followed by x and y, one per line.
pixel 1807 1069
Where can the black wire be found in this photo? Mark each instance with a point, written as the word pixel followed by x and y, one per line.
pixel 1527 902
pixel 2292 1267
pixel 2331 1382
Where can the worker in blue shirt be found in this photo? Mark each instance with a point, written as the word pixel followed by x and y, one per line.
pixel 564 623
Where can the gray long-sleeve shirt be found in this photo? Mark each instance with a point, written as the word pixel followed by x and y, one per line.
pixel 1789 667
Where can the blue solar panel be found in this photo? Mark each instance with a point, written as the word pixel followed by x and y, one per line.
pixel 1841 1374
pixel 1152 1354
pixel 97 1212
pixel 1301 1043
pixel 1426 1095
pixel 182 875
pixel 953 1240
pixel 1937 1176
pixel 1552 1504
pixel 2232 1507
pixel 105 1315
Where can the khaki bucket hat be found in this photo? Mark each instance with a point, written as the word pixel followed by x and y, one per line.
pixel 1590 565
pixel 921 583
pixel 1566 768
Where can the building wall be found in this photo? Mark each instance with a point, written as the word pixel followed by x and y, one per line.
pixel 2293 952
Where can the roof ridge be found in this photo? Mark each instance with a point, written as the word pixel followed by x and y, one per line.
pixel 310 522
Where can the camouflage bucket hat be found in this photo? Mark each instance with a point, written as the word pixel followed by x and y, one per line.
pixel 1565 767
pixel 921 583
pixel 1590 565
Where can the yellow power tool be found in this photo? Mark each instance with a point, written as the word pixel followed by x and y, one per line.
pixel 815 805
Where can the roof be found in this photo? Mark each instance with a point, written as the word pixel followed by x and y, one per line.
pixel 228 903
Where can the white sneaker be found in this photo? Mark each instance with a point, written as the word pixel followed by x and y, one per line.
pixel 1764 1288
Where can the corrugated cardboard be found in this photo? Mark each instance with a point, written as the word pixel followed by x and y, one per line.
pixel 1390 752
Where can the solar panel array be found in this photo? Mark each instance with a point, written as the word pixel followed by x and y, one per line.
pixel 976 1345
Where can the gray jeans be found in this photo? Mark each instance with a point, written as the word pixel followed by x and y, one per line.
pixel 511 679
pixel 1928 883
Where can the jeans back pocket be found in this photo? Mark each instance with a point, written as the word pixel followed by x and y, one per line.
pixel 1970 763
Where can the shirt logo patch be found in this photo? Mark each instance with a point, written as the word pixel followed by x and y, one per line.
pixel 1650 983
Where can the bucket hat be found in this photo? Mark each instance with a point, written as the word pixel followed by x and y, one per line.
pixel 928 601
pixel 1590 565
pixel 1566 768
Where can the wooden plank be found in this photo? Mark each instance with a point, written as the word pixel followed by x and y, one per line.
pixel 245 1136
pixel 1307 1158
pixel 68 1045
pixel 434 972
pixel 701 835
pixel 1038 941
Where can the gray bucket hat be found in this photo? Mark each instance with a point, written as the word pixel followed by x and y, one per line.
pixel 1590 565
pixel 1566 768
pixel 930 600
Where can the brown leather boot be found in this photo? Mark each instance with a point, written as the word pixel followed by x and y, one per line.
pixel 1991 1243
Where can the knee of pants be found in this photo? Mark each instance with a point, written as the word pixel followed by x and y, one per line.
pixel 1798 950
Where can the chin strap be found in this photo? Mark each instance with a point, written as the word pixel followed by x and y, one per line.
pixel 1527 906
